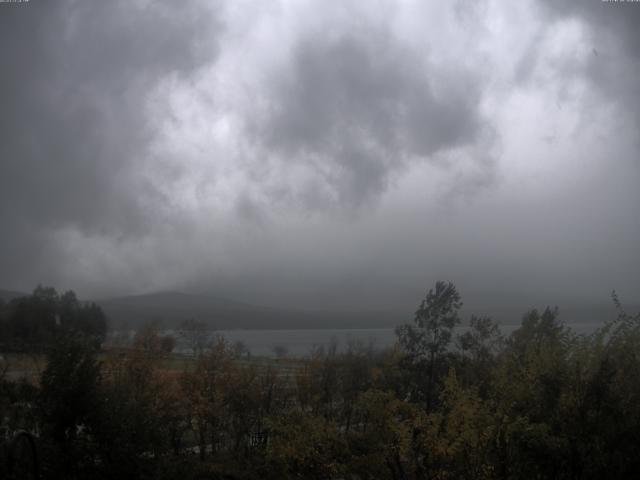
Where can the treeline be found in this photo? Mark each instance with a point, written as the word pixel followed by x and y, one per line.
pixel 33 322
pixel 542 403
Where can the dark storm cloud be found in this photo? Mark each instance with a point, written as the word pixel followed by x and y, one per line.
pixel 358 107
pixel 74 81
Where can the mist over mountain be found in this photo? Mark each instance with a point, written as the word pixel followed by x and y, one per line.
pixel 171 308
pixel 322 157
pixel 168 309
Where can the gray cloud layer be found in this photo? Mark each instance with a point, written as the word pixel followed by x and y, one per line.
pixel 614 65
pixel 335 156
pixel 73 123
pixel 360 106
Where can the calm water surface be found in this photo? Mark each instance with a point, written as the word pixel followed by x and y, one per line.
pixel 301 342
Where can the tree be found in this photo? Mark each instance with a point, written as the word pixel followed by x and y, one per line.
pixel 478 348
pixel 204 391
pixel 68 400
pixel 538 330
pixel 35 320
pixel 317 382
pixel 530 386
pixel 460 437
pixel 194 334
pixel 304 445
pixel 148 339
pixel 138 415
pixel 354 378
pixel 167 343
pixel 426 343
pixel 240 349
pixel 380 440
pixel 482 340
pixel 280 351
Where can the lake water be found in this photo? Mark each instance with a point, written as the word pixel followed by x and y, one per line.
pixel 301 342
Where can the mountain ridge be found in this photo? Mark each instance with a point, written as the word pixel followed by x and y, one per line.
pixel 169 308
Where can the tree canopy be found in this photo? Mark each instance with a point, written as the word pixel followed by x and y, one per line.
pixel 34 321
pixel 441 404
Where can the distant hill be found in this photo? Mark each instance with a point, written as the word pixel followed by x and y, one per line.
pixel 171 308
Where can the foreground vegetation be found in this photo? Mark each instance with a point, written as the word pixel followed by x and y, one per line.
pixel 542 403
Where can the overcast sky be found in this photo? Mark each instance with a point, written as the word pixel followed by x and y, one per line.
pixel 322 154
